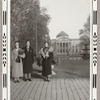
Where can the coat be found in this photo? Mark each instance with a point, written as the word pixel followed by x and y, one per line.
pixel 17 68
pixel 28 60
pixel 46 61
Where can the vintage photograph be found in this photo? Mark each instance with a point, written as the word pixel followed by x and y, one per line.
pixel 50 49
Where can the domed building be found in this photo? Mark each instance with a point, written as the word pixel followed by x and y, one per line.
pixel 62 34
pixel 64 45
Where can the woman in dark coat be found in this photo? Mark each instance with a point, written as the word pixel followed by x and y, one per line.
pixel 47 54
pixel 28 61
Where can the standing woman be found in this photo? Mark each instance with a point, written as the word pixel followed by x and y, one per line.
pixel 28 61
pixel 17 68
pixel 47 54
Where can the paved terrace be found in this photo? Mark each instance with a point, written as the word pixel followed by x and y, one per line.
pixel 65 85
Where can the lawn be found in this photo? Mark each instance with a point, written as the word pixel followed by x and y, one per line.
pixel 80 68
pixel 68 68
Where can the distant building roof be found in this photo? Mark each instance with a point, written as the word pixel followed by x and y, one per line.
pixel 62 33
pixel 74 39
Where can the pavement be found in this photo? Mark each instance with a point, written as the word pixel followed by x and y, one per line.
pixel 71 82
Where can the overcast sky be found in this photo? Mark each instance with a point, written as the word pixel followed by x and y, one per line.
pixel 67 15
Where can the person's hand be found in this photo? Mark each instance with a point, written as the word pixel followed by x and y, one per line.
pixel 47 55
pixel 19 55
pixel 22 56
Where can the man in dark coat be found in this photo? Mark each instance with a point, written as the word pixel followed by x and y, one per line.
pixel 28 61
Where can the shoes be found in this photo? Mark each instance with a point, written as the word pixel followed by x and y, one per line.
pixel 30 79
pixel 18 81
pixel 25 80
pixel 48 79
pixel 15 81
pixel 45 78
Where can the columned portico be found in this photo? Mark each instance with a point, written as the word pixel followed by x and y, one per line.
pixel 66 46
pixel 62 47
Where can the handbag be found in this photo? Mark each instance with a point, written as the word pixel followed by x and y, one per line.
pixel 39 61
pixel 18 59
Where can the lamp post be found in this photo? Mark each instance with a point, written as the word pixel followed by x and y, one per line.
pixel 36 37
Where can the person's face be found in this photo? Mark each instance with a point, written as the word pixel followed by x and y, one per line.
pixel 46 45
pixel 28 44
pixel 17 45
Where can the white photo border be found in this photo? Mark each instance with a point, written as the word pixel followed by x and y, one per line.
pixel 6 49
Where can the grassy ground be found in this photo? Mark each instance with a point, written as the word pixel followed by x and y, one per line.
pixel 80 68
pixel 67 68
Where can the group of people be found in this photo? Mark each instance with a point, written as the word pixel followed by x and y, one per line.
pixel 23 59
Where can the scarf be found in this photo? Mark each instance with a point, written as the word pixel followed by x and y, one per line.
pixel 46 53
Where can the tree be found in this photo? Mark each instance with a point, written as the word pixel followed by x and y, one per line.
pixel 86 30
pixel 27 17
pixel 87 25
pixel 85 38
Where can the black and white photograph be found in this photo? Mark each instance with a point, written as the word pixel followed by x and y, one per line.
pixel 50 49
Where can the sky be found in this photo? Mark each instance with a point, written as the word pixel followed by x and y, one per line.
pixel 66 15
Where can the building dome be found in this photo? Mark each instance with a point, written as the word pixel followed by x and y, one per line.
pixel 62 33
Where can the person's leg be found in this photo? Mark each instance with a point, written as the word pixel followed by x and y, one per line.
pixel 44 73
pixel 26 77
pixel 48 78
pixel 15 79
pixel 29 77
pixel 45 78
pixel 23 76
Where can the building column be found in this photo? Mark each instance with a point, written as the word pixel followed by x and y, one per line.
pixel 62 47
pixel 65 47
pixel 59 47
pixel 68 47
pixel 56 47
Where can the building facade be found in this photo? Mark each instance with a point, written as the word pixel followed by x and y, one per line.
pixel 64 45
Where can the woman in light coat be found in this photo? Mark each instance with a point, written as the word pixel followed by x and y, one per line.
pixel 17 67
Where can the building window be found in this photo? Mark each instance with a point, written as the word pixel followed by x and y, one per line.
pixel 60 44
pixel 63 44
pixel 64 50
pixel 57 45
pixel 76 50
pixel 60 50
pixel 67 51
pixel 73 50
pixel 66 44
